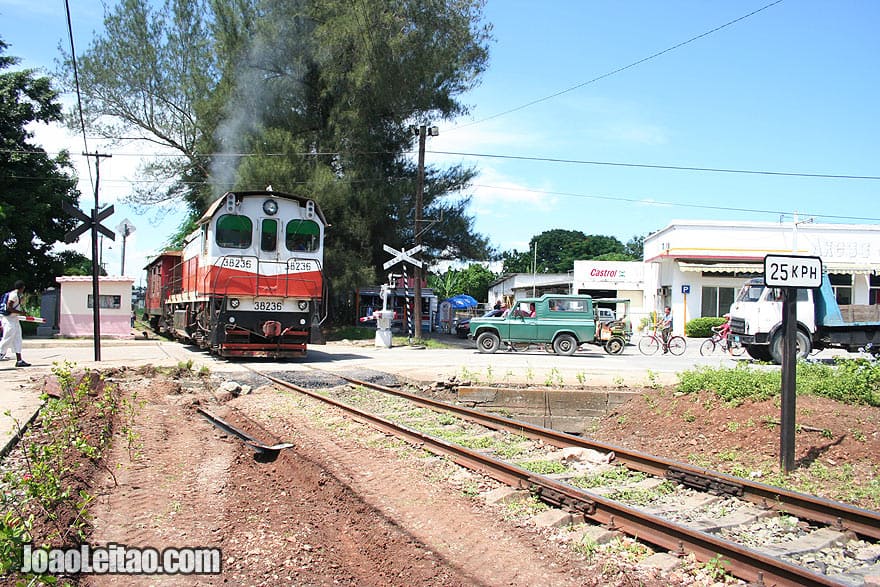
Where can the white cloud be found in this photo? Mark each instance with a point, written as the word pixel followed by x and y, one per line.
pixel 153 226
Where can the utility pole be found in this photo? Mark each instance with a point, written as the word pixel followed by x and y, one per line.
pixel 423 132
pixel 96 293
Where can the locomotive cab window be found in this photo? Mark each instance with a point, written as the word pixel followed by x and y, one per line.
pixel 234 231
pixel 302 235
pixel 268 234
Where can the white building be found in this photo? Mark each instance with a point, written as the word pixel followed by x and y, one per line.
pixel 697 267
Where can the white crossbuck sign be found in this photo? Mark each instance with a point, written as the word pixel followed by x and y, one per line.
pixel 402 256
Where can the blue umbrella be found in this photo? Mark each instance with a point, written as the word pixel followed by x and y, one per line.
pixel 462 301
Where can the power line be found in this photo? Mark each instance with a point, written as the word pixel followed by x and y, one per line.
pixel 618 70
pixel 82 122
pixel 671 204
pixel 652 166
pixel 510 157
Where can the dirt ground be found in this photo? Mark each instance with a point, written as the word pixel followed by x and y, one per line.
pixel 836 445
pixel 334 510
pixel 348 506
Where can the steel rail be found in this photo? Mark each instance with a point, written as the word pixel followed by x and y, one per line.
pixel 838 515
pixel 744 562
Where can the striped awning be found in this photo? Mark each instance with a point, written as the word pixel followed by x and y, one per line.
pixel 758 268
pixel 721 267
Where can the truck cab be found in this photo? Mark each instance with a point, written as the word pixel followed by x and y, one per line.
pixel 756 321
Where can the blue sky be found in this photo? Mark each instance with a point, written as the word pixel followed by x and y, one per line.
pixel 791 89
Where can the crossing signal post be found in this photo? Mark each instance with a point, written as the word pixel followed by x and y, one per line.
pixel 92 223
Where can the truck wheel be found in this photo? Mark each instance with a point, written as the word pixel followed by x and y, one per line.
pixel 803 346
pixel 488 342
pixel 615 345
pixel 565 344
pixel 759 352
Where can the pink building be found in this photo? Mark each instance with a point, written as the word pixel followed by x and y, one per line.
pixel 76 318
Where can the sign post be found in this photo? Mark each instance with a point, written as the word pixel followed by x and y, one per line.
pixel 790 272
pixel 405 256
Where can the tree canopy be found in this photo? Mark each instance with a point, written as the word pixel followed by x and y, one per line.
pixel 474 280
pixel 555 251
pixel 33 185
pixel 313 97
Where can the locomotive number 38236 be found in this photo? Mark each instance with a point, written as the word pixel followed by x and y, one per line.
pixel 265 306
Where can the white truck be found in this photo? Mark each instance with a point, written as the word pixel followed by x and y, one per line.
pixel 756 321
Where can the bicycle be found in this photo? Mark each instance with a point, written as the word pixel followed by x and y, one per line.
pixel 722 341
pixel 651 343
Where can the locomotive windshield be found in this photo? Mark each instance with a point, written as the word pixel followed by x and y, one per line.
pixel 268 234
pixel 234 231
pixel 302 235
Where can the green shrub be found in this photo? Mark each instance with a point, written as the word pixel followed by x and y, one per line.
pixel 702 327
pixel 850 381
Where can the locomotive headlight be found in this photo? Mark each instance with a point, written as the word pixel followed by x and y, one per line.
pixel 234 303
pixel 270 207
pixel 303 305
pixel 232 319
pixel 302 321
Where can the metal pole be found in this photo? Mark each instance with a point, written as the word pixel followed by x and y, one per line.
pixel 96 293
pixel 417 271
pixel 789 373
pixel 125 234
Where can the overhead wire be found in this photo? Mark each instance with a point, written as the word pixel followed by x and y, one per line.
pixel 616 71
pixel 79 108
pixel 659 203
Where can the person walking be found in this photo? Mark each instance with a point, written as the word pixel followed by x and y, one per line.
pixel 11 326
pixel 666 327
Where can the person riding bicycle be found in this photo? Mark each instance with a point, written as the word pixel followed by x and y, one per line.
pixel 665 326
pixel 722 330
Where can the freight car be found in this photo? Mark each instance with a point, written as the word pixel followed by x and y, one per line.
pixel 248 282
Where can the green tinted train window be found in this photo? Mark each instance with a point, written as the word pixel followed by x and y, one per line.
pixel 234 231
pixel 268 234
pixel 302 235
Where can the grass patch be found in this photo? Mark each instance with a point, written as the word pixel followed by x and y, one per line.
pixel 850 381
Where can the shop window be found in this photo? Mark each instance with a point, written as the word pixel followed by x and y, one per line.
pixel 268 234
pixel 841 283
pixel 874 290
pixel 302 235
pixel 234 231
pixel 716 300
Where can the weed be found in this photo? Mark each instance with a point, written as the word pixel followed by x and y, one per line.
pixel 588 547
pixel 617 380
pixel 581 377
pixel 544 467
pixel 554 378
pixel 689 416
pixel 44 488
pixel 732 426
pixel 714 567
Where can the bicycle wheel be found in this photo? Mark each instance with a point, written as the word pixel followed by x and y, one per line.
pixel 677 345
pixel 708 347
pixel 649 345
pixel 735 348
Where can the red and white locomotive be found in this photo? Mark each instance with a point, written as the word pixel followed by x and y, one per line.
pixel 249 280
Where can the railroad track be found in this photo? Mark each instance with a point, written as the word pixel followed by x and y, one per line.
pixel 764 535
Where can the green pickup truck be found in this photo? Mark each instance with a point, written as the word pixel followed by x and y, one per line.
pixel 559 322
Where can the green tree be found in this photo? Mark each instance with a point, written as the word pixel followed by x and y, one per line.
pixel 319 95
pixel 474 280
pixel 556 251
pixel 635 248
pixel 33 185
